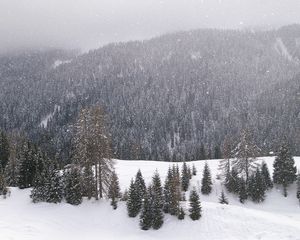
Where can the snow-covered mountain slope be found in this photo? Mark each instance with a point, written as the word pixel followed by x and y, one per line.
pixel 276 218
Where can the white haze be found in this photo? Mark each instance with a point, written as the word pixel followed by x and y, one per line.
pixel 89 24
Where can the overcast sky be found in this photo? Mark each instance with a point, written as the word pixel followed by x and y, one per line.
pixel 89 24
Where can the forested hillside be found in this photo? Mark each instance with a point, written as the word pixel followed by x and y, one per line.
pixel 175 97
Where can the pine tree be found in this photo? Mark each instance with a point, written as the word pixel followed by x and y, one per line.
pixel 243 195
pixel 146 217
pixel 206 185
pixel 72 186
pixel 224 164
pixel 88 182
pixel 3 186
pixel 181 214
pixel 134 201
pixel 114 190
pixel 194 170
pixel 55 190
pixel 245 155
pixel 185 178
pixel 266 175
pixel 157 202
pixel 4 150
pixel 222 198
pixel 195 205
pixel 140 184
pixel 232 181
pixel 284 170
pixel 257 187
pixel 175 191
pixel 168 191
pixel 298 187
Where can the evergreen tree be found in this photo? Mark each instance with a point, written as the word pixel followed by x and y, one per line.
pixel 257 187
pixel 189 172
pixel 266 175
pixel 243 195
pixel 181 214
pixel 222 198
pixel 298 187
pixel 175 191
pixel 88 182
pixel 124 195
pixel 195 205
pixel 224 164
pixel 217 152
pixel 157 202
pixel 194 170
pixel 3 186
pixel 284 168
pixel 146 217
pixel 185 178
pixel 114 190
pixel 55 190
pixel 27 166
pixel 232 181
pixel 140 188
pixel 206 185
pixel 133 201
pixel 72 186
pixel 4 150
pixel 168 191
pixel 245 155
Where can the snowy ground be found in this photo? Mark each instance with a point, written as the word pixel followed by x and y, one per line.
pixel 276 218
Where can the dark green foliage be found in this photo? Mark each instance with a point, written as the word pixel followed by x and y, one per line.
pixel 222 198
pixel 88 182
pixel 167 191
pixel 27 165
pixel 72 186
pixel 114 190
pixel 3 186
pixel 185 177
pixel 140 183
pixel 232 181
pixel 55 190
pixel 206 185
pixel 4 150
pixel 243 195
pixel 194 170
pixel 195 205
pixel 133 201
pixel 298 187
pixel 257 187
pixel 284 168
pixel 266 175
pixel 146 217
pixel 157 202
pixel 181 214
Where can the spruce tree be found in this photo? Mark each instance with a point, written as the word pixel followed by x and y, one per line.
pixel 185 178
pixel 257 187
pixel 146 217
pixel 245 155
pixel 168 191
pixel 4 150
pixel 134 201
pixel 175 191
pixel 195 205
pixel 243 195
pixel 88 182
pixel 114 190
pixel 72 186
pixel 181 214
pixel 206 185
pixel 298 187
pixel 194 170
pixel 157 202
pixel 222 198
pixel 140 184
pixel 266 175
pixel 3 186
pixel 232 181
pixel 124 197
pixel 55 190
pixel 284 168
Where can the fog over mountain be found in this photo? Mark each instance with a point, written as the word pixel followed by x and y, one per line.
pixel 90 24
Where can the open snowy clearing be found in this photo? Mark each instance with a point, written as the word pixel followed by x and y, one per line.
pixel 276 218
